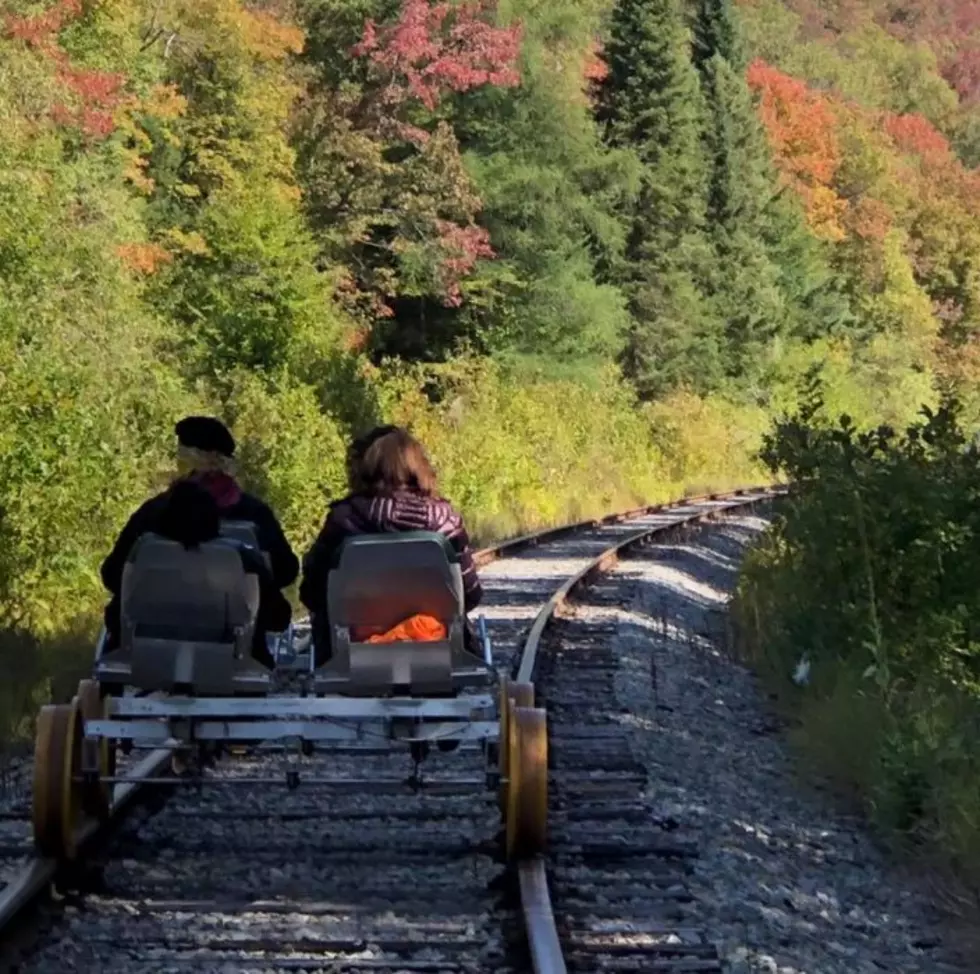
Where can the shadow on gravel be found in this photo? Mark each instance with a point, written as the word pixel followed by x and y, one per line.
pixel 784 882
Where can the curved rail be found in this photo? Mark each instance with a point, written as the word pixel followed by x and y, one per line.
pixel 38 876
pixel 539 919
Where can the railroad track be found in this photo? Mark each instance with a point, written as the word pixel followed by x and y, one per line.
pixel 365 875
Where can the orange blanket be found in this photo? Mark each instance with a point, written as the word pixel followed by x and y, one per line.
pixel 415 629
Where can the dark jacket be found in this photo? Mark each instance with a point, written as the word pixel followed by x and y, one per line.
pixel 403 511
pixel 275 612
pixel 235 505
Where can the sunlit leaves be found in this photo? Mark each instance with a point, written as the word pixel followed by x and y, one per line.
pixel 386 184
pixel 802 130
pixel 437 48
pixel 913 133
pixel 143 258
pixel 91 96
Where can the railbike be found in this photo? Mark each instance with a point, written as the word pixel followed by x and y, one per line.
pixel 183 681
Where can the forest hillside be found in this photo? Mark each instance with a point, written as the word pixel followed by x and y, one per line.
pixel 586 249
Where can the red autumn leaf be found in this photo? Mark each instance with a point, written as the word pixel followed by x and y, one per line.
pixel 144 258
pixel 95 94
pixel 799 122
pixel 39 31
pixel 435 48
pixel 801 127
pixel 596 69
pixel 915 134
pixel 463 247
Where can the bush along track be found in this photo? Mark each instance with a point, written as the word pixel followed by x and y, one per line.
pixel 867 590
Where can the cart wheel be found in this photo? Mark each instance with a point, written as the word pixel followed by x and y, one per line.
pixel 511 695
pixel 527 793
pixel 57 795
pixel 97 755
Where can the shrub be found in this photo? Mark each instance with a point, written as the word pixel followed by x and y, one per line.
pixel 872 571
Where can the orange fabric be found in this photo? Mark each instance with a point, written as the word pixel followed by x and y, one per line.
pixel 415 629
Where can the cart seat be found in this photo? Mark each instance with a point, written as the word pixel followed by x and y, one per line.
pixel 187 621
pixel 245 532
pixel 381 580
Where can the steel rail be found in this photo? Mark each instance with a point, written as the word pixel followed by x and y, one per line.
pixel 36 878
pixel 539 919
pixel 484 556
pixel 38 875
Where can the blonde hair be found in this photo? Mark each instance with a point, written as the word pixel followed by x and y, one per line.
pixel 191 460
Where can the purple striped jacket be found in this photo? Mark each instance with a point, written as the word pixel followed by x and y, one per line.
pixel 402 511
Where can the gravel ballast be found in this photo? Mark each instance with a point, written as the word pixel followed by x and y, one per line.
pixel 787 884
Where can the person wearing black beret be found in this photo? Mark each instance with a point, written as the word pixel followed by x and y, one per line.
pixel 205 455
pixel 206 434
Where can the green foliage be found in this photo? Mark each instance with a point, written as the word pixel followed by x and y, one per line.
pixel 549 194
pixel 82 392
pixel 254 297
pixel 290 452
pixel 742 189
pixel 966 138
pixel 651 101
pixel 517 451
pixel 871 572
pixel 717 33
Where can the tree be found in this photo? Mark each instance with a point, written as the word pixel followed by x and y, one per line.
pixel 550 190
pixel 387 190
pixel 802 131
pixel 241 280
pixel 768 275
pixel 650 101
pixel 716 33
pixel 85 389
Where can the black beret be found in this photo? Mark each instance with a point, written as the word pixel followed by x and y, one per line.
pixel 205 433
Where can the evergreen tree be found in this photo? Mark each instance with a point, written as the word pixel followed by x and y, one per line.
pixel 550 190
pixel 716 33
pixel 741 188
pixel 651 100
pixel 771 279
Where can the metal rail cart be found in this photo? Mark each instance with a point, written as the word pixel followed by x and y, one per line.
pixel 183 678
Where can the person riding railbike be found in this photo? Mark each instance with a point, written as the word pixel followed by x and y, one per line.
pixel 188 514
pixel 205 456
pixel 393 488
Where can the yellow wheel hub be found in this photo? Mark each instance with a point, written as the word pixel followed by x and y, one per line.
pixel 57 810
pixel 526 814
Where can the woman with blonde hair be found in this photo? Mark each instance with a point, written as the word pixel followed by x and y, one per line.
pixel 189 515
pixel 205 456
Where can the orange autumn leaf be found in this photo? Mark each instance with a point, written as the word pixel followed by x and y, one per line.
pixel 801 128
pixel 144 258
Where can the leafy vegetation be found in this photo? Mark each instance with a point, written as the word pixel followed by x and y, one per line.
pixel 870 577
pixel 471 216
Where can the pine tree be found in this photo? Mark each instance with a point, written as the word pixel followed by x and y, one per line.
pixel 716 33
pixel 651 101
pixel 741 188
pixel 771 279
